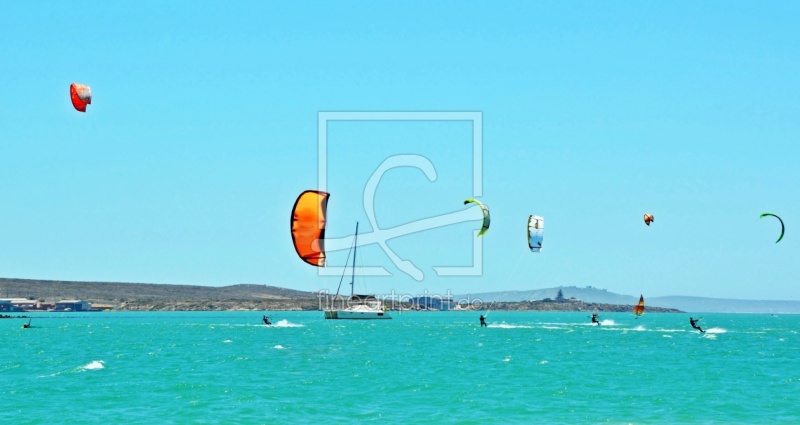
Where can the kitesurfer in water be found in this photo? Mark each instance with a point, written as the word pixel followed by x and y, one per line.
pixel 266 321
pixel 693 322
pixel 483 321
pixel 595 316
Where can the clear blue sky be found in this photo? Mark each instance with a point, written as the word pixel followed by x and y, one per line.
pixel 203 131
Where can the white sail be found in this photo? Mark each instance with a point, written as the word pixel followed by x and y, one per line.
pixel 535 233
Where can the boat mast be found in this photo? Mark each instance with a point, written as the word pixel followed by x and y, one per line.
pixel 355 248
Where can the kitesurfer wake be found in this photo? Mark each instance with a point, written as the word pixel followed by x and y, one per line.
pixel 483 321
pixel 693 322
pixel 595 316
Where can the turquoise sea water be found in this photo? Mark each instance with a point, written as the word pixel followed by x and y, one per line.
pixel 429 368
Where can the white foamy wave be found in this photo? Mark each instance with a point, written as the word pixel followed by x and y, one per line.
pixel 279 347
pixel 507 359
pixel 608 322
pixel 667 336
pixel 286 324
pixel 507 326
pixel 709 336
pixel 226 341
pixel 552 327
pixel 543 362
pixel 95 365
pixel 716 331
pixel 638 328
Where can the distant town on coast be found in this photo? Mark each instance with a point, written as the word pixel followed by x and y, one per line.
pixel 28 295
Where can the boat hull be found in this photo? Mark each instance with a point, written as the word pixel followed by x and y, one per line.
pixel 356 315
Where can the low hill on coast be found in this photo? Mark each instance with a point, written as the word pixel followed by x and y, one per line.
pixel 590 294
pixel 165 297
pixel 571 306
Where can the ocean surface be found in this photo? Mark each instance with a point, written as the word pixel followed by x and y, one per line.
pixel 420 368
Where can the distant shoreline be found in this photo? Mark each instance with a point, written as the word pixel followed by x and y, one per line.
pixel 116 296
pixel 312 305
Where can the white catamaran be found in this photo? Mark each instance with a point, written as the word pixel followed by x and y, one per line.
pixel 358 307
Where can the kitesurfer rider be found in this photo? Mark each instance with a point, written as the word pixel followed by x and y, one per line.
pixel 483 321
pixel 266 320
pixel 693 322
pixel 594 318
